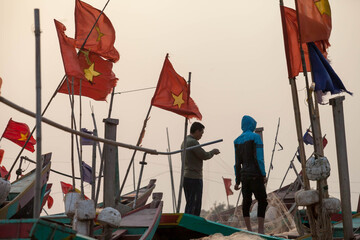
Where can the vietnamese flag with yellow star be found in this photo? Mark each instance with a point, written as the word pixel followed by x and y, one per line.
pixel 102 37
pixel 18 133
pixel 292 45
pixel 99 78
pixel 172 93
pixel 68 52
pixel 315 20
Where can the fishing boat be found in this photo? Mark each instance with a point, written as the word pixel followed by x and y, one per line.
pixel 140 223
pixel 181 226
pixel 20 201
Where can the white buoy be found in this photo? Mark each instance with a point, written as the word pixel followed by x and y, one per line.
pixel 85 210
pixel 109 217
pixel 317 168
pixel 70 200
pixel 306 197
pixel 332 205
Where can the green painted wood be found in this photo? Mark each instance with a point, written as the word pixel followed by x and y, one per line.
pixel 202 225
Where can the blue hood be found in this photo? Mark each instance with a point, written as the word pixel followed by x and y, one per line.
pixel 248 123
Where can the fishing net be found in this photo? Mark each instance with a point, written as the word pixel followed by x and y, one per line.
pixel 278 218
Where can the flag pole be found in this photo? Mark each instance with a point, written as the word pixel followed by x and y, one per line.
pixel 37 197
pixel 321 221
pixel 53 96
pixel 183 156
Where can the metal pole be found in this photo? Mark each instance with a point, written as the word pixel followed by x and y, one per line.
pixel 93 167
pixel 37 197
pixel 343 168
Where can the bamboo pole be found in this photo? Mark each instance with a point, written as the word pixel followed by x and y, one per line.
pixel 183 156
pixel 37 196
pixel 171 173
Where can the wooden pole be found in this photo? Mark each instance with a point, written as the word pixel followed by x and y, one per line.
pixel 273 151
pixel 171 173
pixel 93 167
pixel 343 168
pixel 183 156
pixel 37 197
pixel 110 162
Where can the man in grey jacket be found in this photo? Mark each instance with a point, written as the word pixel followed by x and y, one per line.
pixel 193 183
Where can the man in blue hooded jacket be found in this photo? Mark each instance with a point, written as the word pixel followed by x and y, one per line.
pixel 250 171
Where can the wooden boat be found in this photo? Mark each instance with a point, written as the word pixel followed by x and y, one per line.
pixel 19 203
pixel 128 199
pixel 181 226
pixel 140 223
pixel 338 231
pixel 36 229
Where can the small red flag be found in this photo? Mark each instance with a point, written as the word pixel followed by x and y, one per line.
pixel 172 93
pixel 102 37
pixel 315 20
pixel 99 78
pixel 47 198
pixel 325 141
pixel 4 172
pixel 65 187
pixel 18 133
pixel 1 155
pixel 68 53
pixel 227 183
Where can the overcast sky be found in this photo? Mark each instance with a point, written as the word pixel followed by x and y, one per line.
pixel 235 52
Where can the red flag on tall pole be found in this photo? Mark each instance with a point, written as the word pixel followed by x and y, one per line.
pixel 227 183
pixel 18 133
pixel 172 93
pixel 68 53
pixel 99 78
pixel 102 37
pixel 66 187
pixel 315 20
pixel 292 44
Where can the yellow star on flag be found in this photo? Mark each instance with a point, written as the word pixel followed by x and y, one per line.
pixel 324 7
pixel 23 137
pixel 90 73
pixel 100 34
pixel 178 100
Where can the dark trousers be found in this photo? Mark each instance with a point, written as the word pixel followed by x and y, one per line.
pixel 193 194
pixel 253 185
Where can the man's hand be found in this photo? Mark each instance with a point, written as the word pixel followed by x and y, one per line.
pixel 265 180
pixel 215 151
pixel 236 187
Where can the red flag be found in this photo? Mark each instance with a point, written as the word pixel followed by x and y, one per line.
pixel 172 93
pixel 68 53
pixel 325 141
pixel 102 37
pixel 99 78
pixel 315 20
pixel 18 133
pixel 292 45
pixel 1 155
pixel 47 198
pixel 227 183
pixel 4 172
pixel 65 187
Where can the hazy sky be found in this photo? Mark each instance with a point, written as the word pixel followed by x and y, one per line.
pixel 235 52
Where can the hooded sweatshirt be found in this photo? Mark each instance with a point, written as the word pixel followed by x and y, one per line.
pixel 251 140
